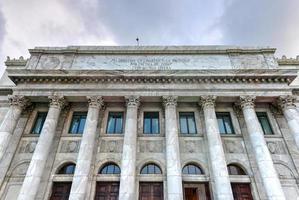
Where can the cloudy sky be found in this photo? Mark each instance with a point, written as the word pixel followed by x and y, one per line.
pixel 25 24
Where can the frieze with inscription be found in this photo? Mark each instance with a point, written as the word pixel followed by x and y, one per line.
pixel 276 147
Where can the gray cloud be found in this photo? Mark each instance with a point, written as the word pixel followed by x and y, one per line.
pixel 267 22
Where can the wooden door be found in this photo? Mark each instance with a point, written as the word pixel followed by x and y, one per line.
pixel 241 191
pixel 191 194
pixel 107 191
pixel 61 190
pixel 150 191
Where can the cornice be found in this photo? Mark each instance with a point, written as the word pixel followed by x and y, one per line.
pixel 150 79
pixel 288 61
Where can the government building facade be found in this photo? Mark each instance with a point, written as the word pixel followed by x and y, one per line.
pixel 149 123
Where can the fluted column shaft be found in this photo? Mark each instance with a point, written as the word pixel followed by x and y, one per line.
pixel 261 153
pixel 80 183
pixel 173 160
pixel 219 174
pixel 127 189
pixel 40 156
pixel 287 104
pixel 8 125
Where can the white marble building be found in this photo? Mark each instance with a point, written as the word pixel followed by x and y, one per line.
pixel 149 123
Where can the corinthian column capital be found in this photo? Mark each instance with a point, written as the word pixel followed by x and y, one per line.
pixel 19 101
pixel 57 101
pixel 95 101
pixel 286 101
pixel 207 101
pixel 132 101
pixel 169 100
pixel 247 101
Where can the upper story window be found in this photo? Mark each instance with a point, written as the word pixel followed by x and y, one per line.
pixel 192 169
pixel 235 170
pixel 265 124
pixel 110 168
pixel 225 123
pixel 115 122
pixel 151 123
pixel 78 123
pixel 68 168
pixel 39 123
pixel 151 169
pixel 187 123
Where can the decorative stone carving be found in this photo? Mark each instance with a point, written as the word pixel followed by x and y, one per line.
pixel 233 146
pixel 170 100
pixel 286 102
pixel 19 100
pixel 149 146
pixel 57 101
pixel 27 146
pixel 276 147
pixel 132 101
pixel 20 170
pixel 207 101
pixel 284 172
pixel 110 146
pixel 191 146
pixel 247 101
pixel 70 146
pixel 95 101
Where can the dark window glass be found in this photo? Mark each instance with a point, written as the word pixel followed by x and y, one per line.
pixel 115 122
pixel 151 169
pixel 151 123
pixel 78 123
pixel 265 124
pixel 110 169
pixel 224 123
pixel 235 170
pixel 67 169
pixel 39 122
pixel 187 123
pixel 192 169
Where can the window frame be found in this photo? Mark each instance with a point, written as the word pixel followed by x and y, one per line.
pixel 222 115
pixel 240 170
pixel 264 114
pixel 151 122
pixel 42 124
pixel 188 115
pixel 72 122
pixel 64 168
pixel 114 129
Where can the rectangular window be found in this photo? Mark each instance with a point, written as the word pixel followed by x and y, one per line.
pixel 187 123
pixel 265 124
pixel 39 123
pixel 115 123
pixel 151 123
pixel 78 123
pixel 225 123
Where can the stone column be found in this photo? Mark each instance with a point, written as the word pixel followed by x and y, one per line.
pixel 8 125
pixel 260 150
pixel 127 190
pixel 173 160
pixel 40 156
pixel 219 174
pixel 287 104
pixel 84 161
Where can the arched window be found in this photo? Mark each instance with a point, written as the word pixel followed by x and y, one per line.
pixel 110 168
pixel 235 170
pixel 192 169
pixel 151 169
pixel 68 168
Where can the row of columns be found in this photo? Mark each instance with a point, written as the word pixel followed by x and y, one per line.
pixel 219 174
